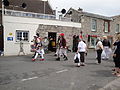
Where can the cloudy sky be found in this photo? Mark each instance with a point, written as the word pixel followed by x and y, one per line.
pixel 102 7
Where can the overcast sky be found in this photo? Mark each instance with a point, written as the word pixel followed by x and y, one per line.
pixel 102 7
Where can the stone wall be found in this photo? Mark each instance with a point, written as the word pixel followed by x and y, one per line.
pixel 116 20
pixel 68 31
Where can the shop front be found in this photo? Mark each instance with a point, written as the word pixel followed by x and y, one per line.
pixel 92 41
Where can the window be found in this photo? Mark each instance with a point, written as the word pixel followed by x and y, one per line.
pixel 94 25
pixel 106 26
pixel 117 28
pixel 22 35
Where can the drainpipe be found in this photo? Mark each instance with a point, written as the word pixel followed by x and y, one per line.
pixel 3 23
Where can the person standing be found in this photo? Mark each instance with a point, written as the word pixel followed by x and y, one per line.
pixel 106 48
pixel 116 56
pixel 63 48
pixel 99 49
pixel 75 43
pixel 82 48
pixel 57 46
pixel 39 49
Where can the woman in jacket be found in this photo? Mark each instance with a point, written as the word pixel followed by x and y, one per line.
pixel 116 56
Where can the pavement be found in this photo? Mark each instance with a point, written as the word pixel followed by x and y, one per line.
pixel 113 85
pixel 20 73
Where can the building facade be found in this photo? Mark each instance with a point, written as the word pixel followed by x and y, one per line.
pixel 115 25
pixel 20 25
pixel 92 25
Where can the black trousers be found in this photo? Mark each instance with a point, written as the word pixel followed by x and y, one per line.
pixel 82 57
pixel 99 52
pixel 117 61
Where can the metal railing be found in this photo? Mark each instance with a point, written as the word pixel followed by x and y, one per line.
pixel 34 15
pixel 29 14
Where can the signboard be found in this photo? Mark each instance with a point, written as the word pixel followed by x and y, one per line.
pixel 9 38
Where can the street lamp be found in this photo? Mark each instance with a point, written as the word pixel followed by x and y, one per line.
pixel 44 4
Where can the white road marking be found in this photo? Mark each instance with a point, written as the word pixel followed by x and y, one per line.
pixel 29 79
pixel 62 71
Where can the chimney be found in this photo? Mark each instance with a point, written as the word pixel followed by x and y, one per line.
pixel 80 9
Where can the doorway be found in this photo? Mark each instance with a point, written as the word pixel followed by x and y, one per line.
pixel 52 41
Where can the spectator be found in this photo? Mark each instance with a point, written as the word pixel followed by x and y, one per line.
pixel 82 48
pixel 63 48
pixel 106 48
pixel 99 49
pixel 116 56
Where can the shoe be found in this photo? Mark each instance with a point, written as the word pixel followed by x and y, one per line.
pixel 78 65
pixel 58 59
pixel 65 58
pixel 33 59
pixel 55 55
pixel 118 75
pixel 41 59
pixel 113 69
pixel 82 64
pixel 114 73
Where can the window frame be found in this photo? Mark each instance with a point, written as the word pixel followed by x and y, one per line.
pixel 22 35
pixel 94 21
pixel 117 28
pixel 108 26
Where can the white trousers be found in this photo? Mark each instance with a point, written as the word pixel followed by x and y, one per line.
pixel 41 52
pixel 107 52
pixel 63 51
pixel 58 51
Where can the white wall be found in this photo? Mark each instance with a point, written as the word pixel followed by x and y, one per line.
pixel 11 24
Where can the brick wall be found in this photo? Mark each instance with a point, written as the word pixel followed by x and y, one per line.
pixel 68 31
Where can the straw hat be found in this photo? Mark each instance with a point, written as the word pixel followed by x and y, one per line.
pixel 104 37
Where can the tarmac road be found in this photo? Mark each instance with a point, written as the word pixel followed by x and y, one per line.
pixel 20 73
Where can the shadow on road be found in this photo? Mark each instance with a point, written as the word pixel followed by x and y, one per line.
pixel 102 73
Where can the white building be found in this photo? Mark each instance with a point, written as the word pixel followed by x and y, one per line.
pixel 23 25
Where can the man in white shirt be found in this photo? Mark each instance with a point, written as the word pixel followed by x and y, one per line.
pixel 99 49
pixel 82 48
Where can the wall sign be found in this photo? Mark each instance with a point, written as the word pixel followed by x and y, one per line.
pixel 9 38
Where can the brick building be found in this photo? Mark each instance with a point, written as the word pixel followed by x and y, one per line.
pixel 115 24
pixel 92 25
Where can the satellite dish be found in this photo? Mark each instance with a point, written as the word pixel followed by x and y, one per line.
pixel 70 12
pixel 24 5
pixel 63 11
pixel 6 2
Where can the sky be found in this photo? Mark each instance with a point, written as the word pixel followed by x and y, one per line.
pixel 101 7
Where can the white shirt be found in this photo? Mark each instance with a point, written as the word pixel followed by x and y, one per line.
pixel 82 46
pixel 99 45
